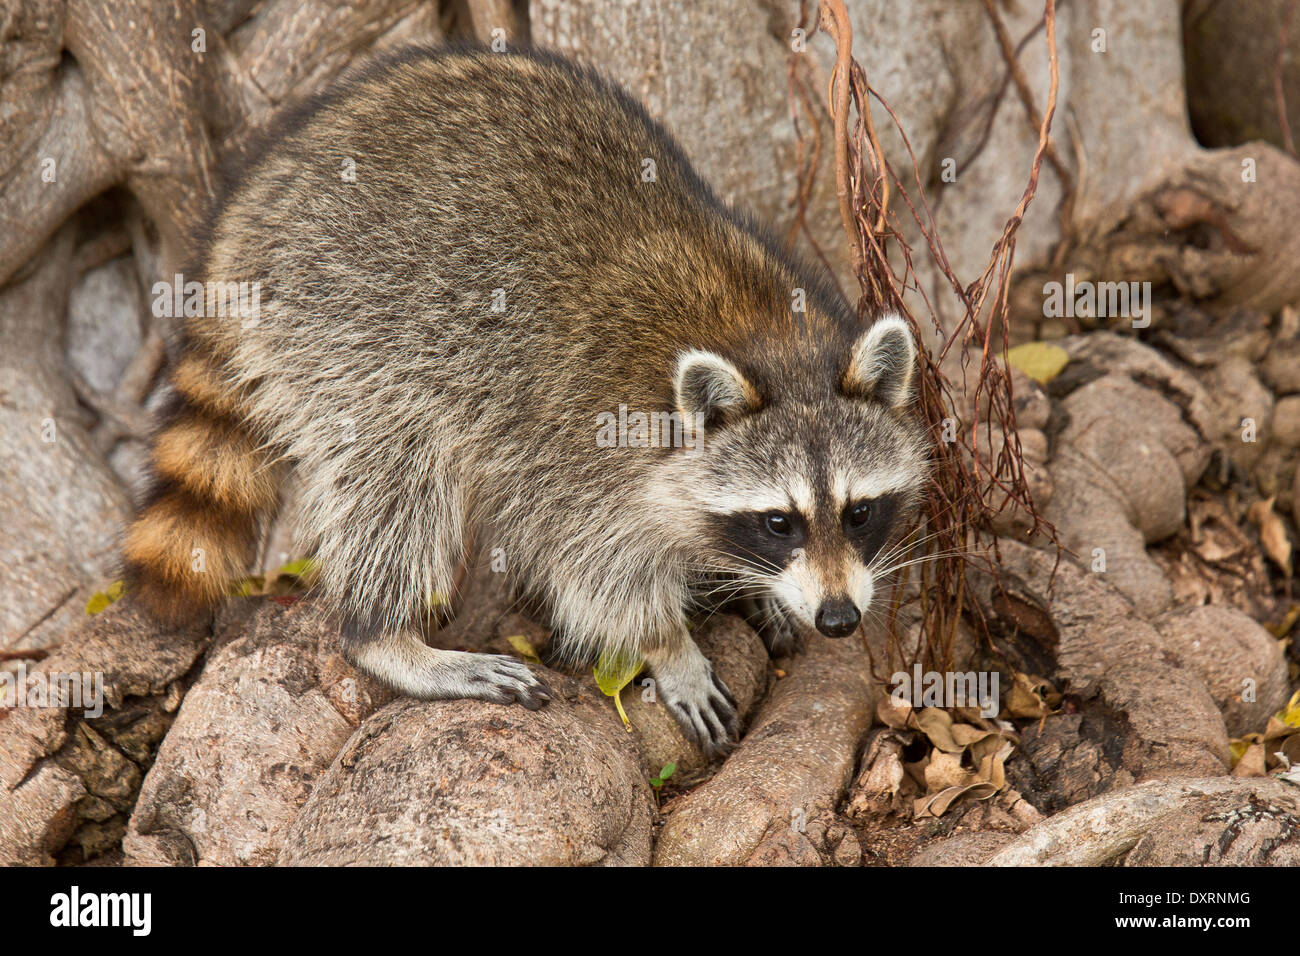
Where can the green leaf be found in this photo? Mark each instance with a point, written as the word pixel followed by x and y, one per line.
pixel 614 671
pixel 668 771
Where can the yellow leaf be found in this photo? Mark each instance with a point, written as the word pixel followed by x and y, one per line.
pixel 614 671
pixel 302 568
pixel 1038 360
pixel 1290 714
pixel 247 587
pixel 1281 629
pixel 102 599
pixel 523 648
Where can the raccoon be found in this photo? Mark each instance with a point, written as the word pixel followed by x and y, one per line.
pixel 469 263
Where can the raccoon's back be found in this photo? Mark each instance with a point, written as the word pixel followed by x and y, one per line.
pixel 436 178
pixel 482 213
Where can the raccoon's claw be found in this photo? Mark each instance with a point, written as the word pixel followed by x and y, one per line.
pixel 509 681
pixel 709 722
pixel 725 691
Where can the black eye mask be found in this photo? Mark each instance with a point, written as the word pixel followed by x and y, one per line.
pixel 747 536
pixel 870 536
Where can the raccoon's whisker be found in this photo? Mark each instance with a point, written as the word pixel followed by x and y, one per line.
pixel 764 565
pixel 877 619
pixel 734 590
pixel 716 580
pixel 721 573
pixel 729 595
pixel 937 554
pixel 706 575
pixel 911 541
pixel 911 538
pixel 772 615
pixel 919 559
pixel 881 572
pixel 874 614
pixel 732 568
pixel 903 546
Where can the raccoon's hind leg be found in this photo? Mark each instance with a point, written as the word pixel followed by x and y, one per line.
pixel 698 700
pixel 404 662
pixel 391 535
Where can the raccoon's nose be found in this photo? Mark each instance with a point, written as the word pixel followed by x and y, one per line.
pixel 838 618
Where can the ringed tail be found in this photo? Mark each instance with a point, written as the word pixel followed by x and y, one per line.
pixel 214 489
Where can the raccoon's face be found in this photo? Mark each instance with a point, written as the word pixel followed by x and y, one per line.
pixel 799 496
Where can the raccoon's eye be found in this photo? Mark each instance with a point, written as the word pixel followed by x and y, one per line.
pixel 779 524
pixel 856 518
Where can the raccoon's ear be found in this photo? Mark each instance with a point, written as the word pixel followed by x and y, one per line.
pixel 708 384
pixel 882 363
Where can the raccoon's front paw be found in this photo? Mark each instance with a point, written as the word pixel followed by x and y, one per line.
pixel 703 707
pixel 504 680
pixel 776 628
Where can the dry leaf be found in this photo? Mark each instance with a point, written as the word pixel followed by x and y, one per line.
pixel 1288 323
pixel 1025 698
pixel 895 713
pixel 937 725
pixel 967 736
pixel 881 778
pixel 938 804
pixel 1272 533
pixel 945 771
pixel 1277 729
pixel 1252 763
